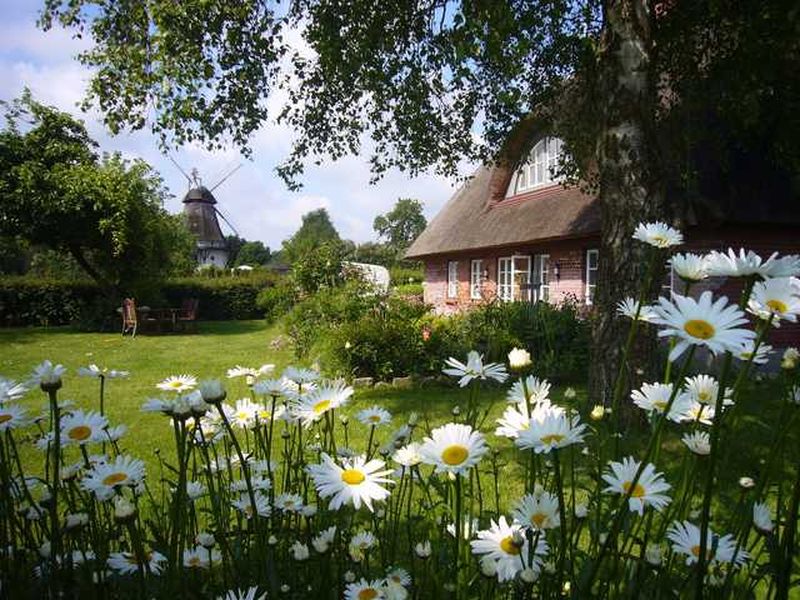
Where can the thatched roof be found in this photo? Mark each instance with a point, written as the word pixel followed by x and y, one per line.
pixel 479 216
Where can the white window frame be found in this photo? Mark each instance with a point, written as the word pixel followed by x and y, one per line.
pixel 511 279
pixel 539 170
pixel 475 278
pixel 452 279
pixel 542 277
pixel 590 287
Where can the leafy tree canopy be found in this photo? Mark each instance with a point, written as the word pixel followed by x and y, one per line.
pixel 253 253
pixel 105 212
pixel 401 225
pixel 315 230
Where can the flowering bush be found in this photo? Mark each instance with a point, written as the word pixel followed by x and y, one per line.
pixel 269 495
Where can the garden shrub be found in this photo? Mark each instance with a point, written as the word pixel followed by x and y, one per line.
pixel 408 289
pixel 400 275
pixel 223 298
pixel 274 302
pixel 36 301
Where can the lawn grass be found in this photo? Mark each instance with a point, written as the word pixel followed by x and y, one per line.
pixel 222 345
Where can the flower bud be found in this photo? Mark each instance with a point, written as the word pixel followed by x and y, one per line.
pixel 206 540
pixel 598 412
pixel 519 359
pixel 123 509
pixel 212 391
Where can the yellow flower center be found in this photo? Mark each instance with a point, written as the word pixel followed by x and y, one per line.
pixel 175 385
pixel 659 240
pixel 704 397
pixel 242 416
pixel 552 438
pixel 353 476
pixel 455 454
pixel 638 490
pixel 5 418
pixel 660 405
pixel 695 550
pixel 777 306
pixel 79 433
pixel 321 407
pixel 194 561
pixel 368 594
pixel 699 328
pixel 508 546
pixel 538 519
pixel 374 418
pixel 115 478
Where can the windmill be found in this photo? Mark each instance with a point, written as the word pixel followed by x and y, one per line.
pixel 200 211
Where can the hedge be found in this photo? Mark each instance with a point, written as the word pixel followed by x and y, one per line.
pixel 36 301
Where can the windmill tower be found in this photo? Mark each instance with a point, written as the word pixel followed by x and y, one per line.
pixel 200 211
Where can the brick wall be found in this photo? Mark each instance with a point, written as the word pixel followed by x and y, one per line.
pixel 570 256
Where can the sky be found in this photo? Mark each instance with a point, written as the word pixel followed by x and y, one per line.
pixel 254 198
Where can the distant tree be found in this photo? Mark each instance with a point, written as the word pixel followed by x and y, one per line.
pixel 252 253
pixel 374 253
pixel 14 255
pixel 401 225
pixel 316 230
pixel 105 212
pixel 235 244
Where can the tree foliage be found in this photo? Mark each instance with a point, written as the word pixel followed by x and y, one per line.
pixel 315 230
pixel 401 225
pixel 103 211
pixel 252 253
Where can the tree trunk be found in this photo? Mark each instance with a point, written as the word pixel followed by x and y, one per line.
pixel 109 289
pixel 631 190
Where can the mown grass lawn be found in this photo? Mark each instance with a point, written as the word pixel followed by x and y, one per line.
pixel 218 346
pixel 221 345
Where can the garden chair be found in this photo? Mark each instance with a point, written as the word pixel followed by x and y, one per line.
pixel 187 315
pixel 129 319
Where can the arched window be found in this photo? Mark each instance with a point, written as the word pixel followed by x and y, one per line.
pixel 540 169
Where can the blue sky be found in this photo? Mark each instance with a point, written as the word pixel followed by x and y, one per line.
pixel 254 199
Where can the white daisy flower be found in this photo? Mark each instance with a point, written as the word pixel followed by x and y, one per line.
pixel 81 427
pixel 105 477
pixel 648 489
pixel 47 374
pixel 475 369
pixel 115 433
pixel 695 412
pixel 200 557
pixel 654 398
pixel 630 308
pixel 698 442
pixel 270 387
pixel 248 594
pixel 178 383
pixel 453 448
pixel 398 576
pixel 300 376
pixel 365 590
pixel 299 551
pixel 550 430
pixel 538 391
pixel 126 563
pixel 513 420
pixel 374 416
pixel 762 518
pixel 701 322
pixel 96 372
pixel 409 455
pixel 12 416
pixel 359 544
pixel 704 389
pixel 244 414
pixel 11 391
pixel 761 357
pixel 689 267
pixel 537 511
pixel 748 263
pixel 776 299
pixel 310 407
pixel 195 490
pixel 324 539
pixel 355 482
pixel 423 549
pixel 658 234
pixel 249 372
pixel 653 554
pixel 508 547
pixel 245 506
pixel 685 538
pixel 287 502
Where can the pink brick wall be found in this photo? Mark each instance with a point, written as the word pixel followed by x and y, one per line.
pixel 570 255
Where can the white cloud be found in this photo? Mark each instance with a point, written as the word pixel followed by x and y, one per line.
pixel 254 198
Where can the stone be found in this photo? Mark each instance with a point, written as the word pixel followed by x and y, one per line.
pixel 362 382
pixel 402 383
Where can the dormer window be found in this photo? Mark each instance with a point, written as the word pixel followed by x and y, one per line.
pixel 540 169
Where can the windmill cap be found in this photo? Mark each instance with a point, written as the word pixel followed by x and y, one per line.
pixel 200 194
